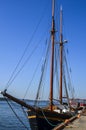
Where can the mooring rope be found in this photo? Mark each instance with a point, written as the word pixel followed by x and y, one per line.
pixel 48 120
pixel 16 114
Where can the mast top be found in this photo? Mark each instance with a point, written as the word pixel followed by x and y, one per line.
pixel 61 8
pixel 53 7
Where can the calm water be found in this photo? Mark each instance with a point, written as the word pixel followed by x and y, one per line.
pixel 8 120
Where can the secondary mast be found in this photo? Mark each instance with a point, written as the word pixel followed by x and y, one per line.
pixel 52 56
pixel 61 55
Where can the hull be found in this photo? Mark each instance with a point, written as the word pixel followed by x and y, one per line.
pixel 45 119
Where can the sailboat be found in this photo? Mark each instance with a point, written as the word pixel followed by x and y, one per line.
pixel 46 118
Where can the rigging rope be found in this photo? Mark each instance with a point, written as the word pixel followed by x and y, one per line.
pixel 24 112
pixel 17 73
pixel 32 78
pixel 56 68
pixel 69 78
pixel 42 73
pixel 12 77
pixel 16 114
pixel 66 91
pixel 28 58
pixel 48 120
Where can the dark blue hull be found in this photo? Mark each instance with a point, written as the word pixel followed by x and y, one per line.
pixel 45 119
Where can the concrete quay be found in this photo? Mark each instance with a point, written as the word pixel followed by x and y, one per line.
pixel 78 124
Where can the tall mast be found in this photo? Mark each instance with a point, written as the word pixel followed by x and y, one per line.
pixel 61 55
pixel 52 56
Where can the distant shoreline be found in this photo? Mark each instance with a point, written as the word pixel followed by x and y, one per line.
pixel 3 99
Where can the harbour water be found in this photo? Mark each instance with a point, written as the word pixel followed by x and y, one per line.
pixel 10 121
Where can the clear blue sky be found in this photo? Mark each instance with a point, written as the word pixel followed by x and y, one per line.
pixel 18 20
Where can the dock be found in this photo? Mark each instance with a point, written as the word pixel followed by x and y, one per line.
pixel 77 122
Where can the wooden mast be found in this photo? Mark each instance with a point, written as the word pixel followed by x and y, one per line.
pixel 61 55
pixel 52 56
